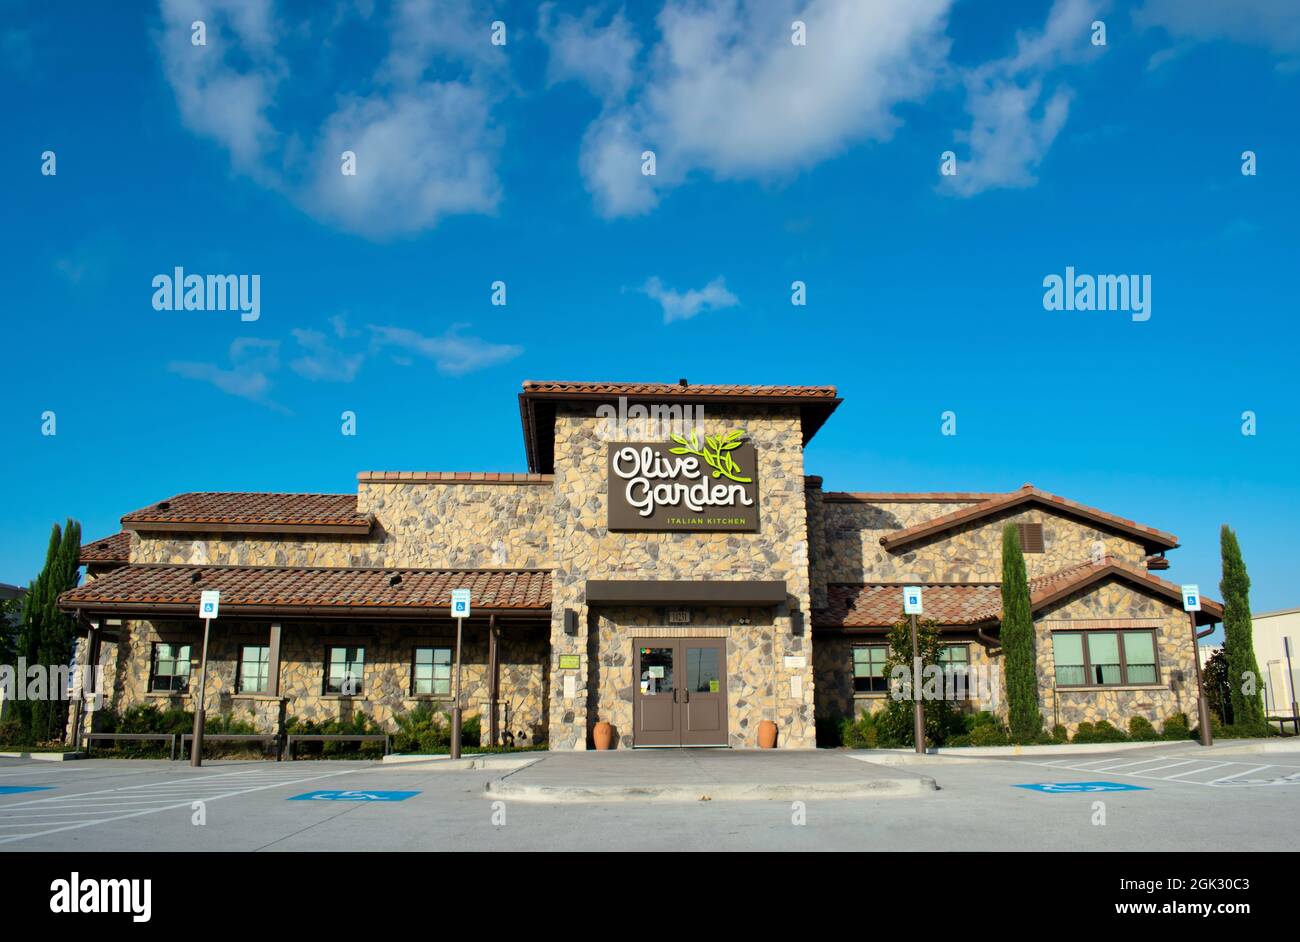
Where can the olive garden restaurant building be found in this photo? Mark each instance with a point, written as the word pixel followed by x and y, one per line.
pixel 667 565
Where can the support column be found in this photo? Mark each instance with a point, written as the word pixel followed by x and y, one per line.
pixel 273 662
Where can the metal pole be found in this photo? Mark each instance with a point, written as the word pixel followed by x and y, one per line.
pixel 1203 707
pixel 1290 676
pixel 918 708
pixel 455 710
pixel 196 747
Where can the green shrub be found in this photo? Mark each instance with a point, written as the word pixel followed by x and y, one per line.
pixel 1241 730
pixel 1176 727
pixel 359 725
pixel 424 730
pixel 1060 734
pixel 1141 730
pixel 1101 731
pixel 989 734
pixel 863 734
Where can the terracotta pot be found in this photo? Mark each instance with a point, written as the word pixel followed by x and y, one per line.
pixel 767 735
pixel 603 734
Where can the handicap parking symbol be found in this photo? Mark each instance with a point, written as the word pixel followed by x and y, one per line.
pixel 1082 788
pixel 19 789
pixel 353 796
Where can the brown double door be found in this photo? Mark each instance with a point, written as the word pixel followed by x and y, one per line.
pixel 680 692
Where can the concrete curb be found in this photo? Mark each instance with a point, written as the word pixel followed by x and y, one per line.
pixel 44 756
pixel 464 764
pixel 884 756
pixel 713 791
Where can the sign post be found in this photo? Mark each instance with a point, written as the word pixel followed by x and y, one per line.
pixel 1290 675
pixel 1192 605
pixel 459 611
pixel 912 608
pixel 209 605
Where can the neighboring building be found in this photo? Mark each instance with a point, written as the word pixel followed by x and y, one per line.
pixel 682 590
pixel 1273 631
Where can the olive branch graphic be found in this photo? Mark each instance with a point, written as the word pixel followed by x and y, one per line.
pixel 716 453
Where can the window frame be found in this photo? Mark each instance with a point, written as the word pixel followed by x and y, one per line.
pixel 1023 529
pixel 451 660
pixel 361 679
pixel 853 672
pixel 184 689
pixel 240 689
pixel 946 668
pixel 1123 658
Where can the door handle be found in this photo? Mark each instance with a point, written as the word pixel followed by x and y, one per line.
pixel 686 695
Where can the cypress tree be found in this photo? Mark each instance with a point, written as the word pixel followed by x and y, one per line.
pixel 46 635
pixel 1019 665
pixel 1238 635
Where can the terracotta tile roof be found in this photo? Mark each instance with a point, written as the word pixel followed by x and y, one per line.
pixel 111 549
pixel 1150 537
pixel 538 402
pixel 264 590
pixel 881 605
pixel 678 391
pixel 917 497
pixel 452 477
pixel 215 511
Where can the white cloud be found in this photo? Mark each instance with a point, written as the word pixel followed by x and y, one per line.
pixel 251 363
pixel 683 305
pixel 601 57
pixel 452 353
pixel 421 128
pixel 323 361
pixel 725 92
pixel 1014 121
pixel 1273 24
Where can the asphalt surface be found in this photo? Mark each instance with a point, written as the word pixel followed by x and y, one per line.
pixel 1191 800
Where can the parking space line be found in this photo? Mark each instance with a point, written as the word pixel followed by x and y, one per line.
pixel 1214 765
pixel 113 815
pixel 1122 765
pixel 1258 768
pixel 1146 773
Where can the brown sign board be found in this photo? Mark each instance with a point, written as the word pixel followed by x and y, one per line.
pixel 699 490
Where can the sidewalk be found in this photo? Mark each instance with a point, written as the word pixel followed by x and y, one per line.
pixel 705 775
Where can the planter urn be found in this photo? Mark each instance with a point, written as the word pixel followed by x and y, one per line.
pixel 603 735
pixel 767 735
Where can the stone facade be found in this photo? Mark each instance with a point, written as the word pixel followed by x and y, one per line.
pixel 558 521
pixel 584 548
pixel 386 689
pixel 969 553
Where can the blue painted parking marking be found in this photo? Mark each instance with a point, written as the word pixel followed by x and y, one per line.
pixel 353 796
pixel 1077 788
pixel 19 789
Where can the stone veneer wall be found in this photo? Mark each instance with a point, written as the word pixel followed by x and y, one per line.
pixel 418 524
pixel 1111 606
pixel 833 661
pixel 751 668
pixel 385 682
pixel 1115 605
pixel 971 553
pixel 583 548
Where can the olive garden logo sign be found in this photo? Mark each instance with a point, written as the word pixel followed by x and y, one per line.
pixel 689 485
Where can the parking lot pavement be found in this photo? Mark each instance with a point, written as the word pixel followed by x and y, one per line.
pixel 144 805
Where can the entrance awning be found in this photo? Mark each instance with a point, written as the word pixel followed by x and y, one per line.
pixel 685 592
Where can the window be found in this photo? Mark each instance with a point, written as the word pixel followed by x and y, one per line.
pixel 1104 658
pixel 954 660
pixel 1031 537
pixel 431 672
pixel 869 669
pixel 344 670
pixel 171 668
pixel 254 668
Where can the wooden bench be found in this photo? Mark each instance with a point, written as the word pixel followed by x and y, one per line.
pixel 270 738
pixel 295 738
pixel 169 738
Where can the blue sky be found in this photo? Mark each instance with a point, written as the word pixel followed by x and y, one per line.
pixel 774 163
